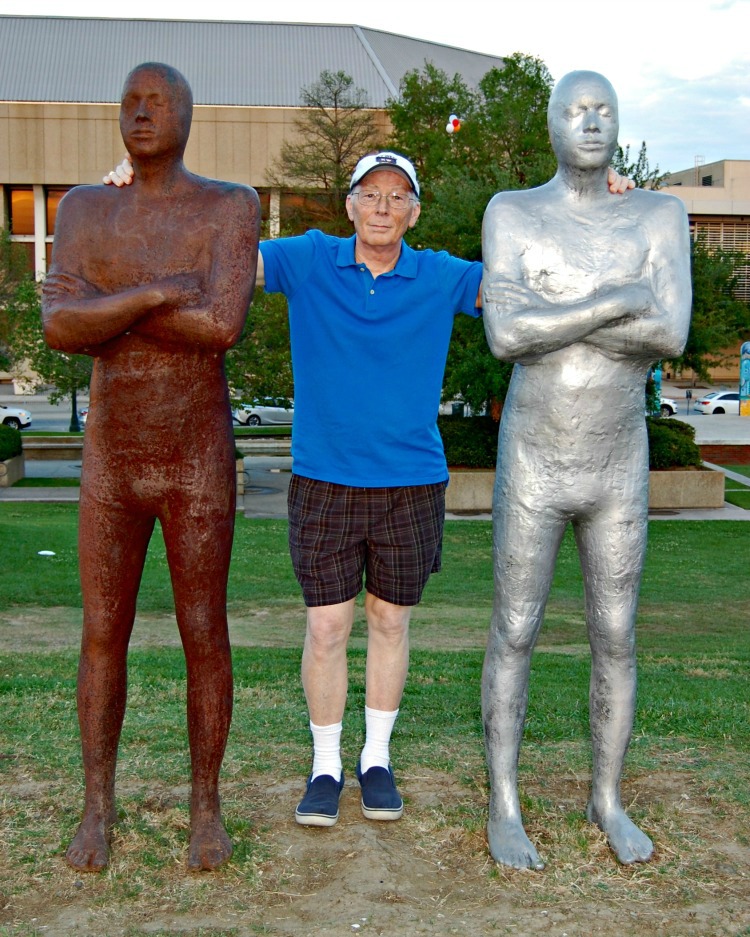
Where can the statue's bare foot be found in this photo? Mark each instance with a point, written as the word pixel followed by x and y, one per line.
pixel 89 849
pixel 628 842
pixel 210 846
pixel 510 845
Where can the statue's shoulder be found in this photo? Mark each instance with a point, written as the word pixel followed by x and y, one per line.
pixel 87 194
pixel 83 203
pixel 511 203
pixel 662 214
pixel 234 198
pixel 661 202
pixel 223 189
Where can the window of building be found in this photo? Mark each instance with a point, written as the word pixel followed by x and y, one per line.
pixel 731 236
pixel 53 198
pixel 21 210
pixel 707 180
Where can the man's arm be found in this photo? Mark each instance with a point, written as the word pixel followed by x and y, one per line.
pixel 662 331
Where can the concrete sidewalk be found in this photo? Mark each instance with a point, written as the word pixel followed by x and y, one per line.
pixel 267 476
pixel 267 482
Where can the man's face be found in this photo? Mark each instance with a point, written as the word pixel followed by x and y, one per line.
pixel 583 121
pixel 154 115
pixel 380 225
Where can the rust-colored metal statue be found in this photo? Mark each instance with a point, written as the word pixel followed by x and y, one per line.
pixel 154 283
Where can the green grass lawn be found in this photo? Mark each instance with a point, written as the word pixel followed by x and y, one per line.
pixel 734 491
pixel 692 731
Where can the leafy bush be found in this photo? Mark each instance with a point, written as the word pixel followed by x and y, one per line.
pixel 671 444
pixel 469 441
pixel 10 442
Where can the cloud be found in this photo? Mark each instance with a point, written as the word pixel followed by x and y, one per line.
pixel 682 119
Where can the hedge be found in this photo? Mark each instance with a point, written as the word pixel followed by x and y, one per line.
pixel 471 442
pixel 10 442
pixel 671 443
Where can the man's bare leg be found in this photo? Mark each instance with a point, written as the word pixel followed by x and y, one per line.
pixel 109 589
pixel 324 667
pixel 525 551
pixel 387 653
pixel 198 555
pixel 610 612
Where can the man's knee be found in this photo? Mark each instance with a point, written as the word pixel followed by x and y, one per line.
pixel 387 620
pixel 329 626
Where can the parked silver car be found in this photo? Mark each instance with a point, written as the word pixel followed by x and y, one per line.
pixel 265 411
pixel 15 417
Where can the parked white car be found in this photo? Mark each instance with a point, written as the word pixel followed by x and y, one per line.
pixel 13 416
pixel 265 411
pixel 719 401
pixel 667 406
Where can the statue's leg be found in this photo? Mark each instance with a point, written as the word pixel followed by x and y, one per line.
pixel 198 535
pixel 526 543
pixel 112 547
pixel 612 547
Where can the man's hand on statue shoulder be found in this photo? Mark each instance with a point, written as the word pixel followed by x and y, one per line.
pixel 617 183
pixel 122 174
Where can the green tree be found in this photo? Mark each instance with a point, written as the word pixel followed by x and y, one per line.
pixel 337 128
pixel 14 268
pixel 719 320
pixel 513 117
pixel 67 374
pixel 639 171
pixel 418 119
pixel 502 144
pixel 260 364
pixel 472 373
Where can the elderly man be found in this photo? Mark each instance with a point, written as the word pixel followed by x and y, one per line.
pixel 582 292
pixel 367 494
pixel 154 284
pixel 371 320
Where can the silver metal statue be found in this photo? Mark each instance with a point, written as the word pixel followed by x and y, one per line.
pixel 582 291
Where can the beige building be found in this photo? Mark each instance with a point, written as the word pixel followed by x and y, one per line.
pixel 717 198
pixel 60 83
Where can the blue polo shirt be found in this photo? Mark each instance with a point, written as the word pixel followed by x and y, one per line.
pixel 368 356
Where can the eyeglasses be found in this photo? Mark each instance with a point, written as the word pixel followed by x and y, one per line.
pixel 396 201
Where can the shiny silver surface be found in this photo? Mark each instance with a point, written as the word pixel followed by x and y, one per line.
pixel 583 290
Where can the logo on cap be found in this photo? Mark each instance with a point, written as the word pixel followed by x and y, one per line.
pixel 386 159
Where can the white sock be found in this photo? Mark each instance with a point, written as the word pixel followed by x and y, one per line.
pixel 326 750
pixel 378 729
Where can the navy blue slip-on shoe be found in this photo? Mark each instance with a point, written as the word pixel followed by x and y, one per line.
pixel 320 805
pixel 380 797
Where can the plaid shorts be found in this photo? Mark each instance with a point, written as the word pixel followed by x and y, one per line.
pixel 337 533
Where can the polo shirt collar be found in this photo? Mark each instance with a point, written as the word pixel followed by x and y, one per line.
pixel 406 265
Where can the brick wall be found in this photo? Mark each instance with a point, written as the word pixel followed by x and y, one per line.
pixel 726 455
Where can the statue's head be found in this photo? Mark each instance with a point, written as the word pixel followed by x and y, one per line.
pixel 156 111
pixel 583 121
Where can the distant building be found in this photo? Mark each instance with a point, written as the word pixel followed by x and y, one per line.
pixel 717 198
pixel 61 79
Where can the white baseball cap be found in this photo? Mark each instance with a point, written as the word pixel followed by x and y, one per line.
pixel 393 162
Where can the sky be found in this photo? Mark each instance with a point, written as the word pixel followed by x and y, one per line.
pixel 681 68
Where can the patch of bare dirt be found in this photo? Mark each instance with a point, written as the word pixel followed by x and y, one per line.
pixel 427 874
pixel 430 873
